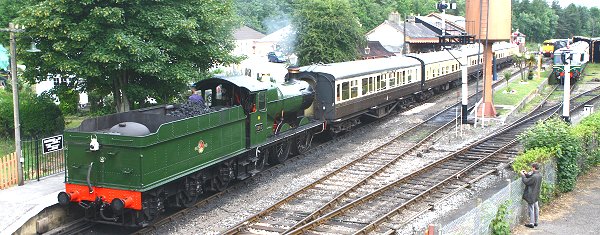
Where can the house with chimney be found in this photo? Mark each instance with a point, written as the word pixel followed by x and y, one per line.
pixel 416 34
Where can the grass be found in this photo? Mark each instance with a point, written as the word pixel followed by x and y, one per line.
pixel 72 121
pixel 591 71
pixel 521 90
pixel 7 146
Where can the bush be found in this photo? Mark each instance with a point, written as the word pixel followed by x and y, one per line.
pixel 39 115
pixel 523 161
pixel 555 133
pixel 587 132
pixel 547 193
pixel 499 224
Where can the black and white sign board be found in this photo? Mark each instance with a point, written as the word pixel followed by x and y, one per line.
pixel 52 144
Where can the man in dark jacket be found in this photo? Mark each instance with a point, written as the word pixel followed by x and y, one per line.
pixel 533 183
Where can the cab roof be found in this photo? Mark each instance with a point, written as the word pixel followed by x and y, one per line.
pixel 243 81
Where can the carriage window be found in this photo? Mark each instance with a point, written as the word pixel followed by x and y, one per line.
pixel 365 86
pixel 338 92
pixel 371 84
pixel 382 84
pixel 345 91
pixel 392 80
pixel 353 89
pixel 409 76
pixel 262 101
pixel 581 56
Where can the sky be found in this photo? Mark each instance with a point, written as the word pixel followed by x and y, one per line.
pixel 586 3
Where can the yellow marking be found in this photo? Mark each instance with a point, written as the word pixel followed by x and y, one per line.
pixel 259 117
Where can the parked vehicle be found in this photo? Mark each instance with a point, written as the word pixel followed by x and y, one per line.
pixel 276 56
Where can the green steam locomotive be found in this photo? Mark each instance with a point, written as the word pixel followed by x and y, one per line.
pixel 126 168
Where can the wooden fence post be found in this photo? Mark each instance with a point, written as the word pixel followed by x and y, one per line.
pixel 8 171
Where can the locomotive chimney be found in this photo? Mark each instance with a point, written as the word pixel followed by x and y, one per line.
pixel 292 73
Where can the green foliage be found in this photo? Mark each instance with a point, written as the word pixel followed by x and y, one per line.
pixel 39 115
pixel 327 31
pixel 68 98
pixel 588 132
pixel 265 16
pixel 500 225
pixel 9 10
pixel 506 76
pixel 371 13
pixel 556 133
pixel 540 154
pixel 130 49
pixel 547 192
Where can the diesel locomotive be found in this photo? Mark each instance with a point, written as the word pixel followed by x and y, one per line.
pixel 577 55
pixel 126 168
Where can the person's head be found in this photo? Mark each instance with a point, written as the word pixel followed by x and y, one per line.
pixel 535 166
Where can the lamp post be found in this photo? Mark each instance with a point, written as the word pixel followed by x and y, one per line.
pixel 13 29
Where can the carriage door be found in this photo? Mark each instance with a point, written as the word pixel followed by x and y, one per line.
pixel 256 129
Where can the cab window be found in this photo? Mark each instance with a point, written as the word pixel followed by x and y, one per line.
pixel 262 101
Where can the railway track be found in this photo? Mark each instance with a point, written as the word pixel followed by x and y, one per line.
pixel 390 203
pixel 350 181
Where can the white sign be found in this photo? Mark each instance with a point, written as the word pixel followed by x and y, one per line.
pixel 52 144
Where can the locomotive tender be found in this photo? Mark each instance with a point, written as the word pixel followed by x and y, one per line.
pixel 126 168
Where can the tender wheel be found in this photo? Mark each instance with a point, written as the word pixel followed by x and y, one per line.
pixel 152 206
pixel 279 153
pixel 302 144
pixel 190 191
pixel 225 176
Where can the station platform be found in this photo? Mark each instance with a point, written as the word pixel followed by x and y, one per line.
pixel 21 203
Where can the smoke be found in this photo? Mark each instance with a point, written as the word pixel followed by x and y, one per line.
pixel 280 30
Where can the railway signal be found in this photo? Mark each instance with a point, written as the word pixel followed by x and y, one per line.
pixel 566 58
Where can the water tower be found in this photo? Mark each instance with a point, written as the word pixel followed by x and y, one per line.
pixel 489 21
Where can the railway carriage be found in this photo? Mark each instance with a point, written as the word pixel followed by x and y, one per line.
pixel 348 91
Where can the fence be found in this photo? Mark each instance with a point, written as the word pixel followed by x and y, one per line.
pixel 8 171
pixel 35 165
pixel 478 220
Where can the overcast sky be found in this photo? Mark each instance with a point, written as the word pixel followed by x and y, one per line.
pixel 586 3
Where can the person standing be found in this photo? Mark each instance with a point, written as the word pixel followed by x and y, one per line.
pixel 533 183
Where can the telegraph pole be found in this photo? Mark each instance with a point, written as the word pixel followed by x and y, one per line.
pixel 15 90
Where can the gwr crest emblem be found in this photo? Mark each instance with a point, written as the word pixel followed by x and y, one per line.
pixel 201 146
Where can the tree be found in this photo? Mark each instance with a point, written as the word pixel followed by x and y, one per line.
pixel 9 11
pixel 507 75
pixel 265 16
pixel 530 61
pixel 519 61
pixel 130 49
pixel 327 31
pixel 370 13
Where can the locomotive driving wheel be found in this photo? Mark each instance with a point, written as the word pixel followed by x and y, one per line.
pixel 279 153
pixel 302 144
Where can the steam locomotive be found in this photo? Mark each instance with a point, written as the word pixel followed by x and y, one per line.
pixel 126 168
